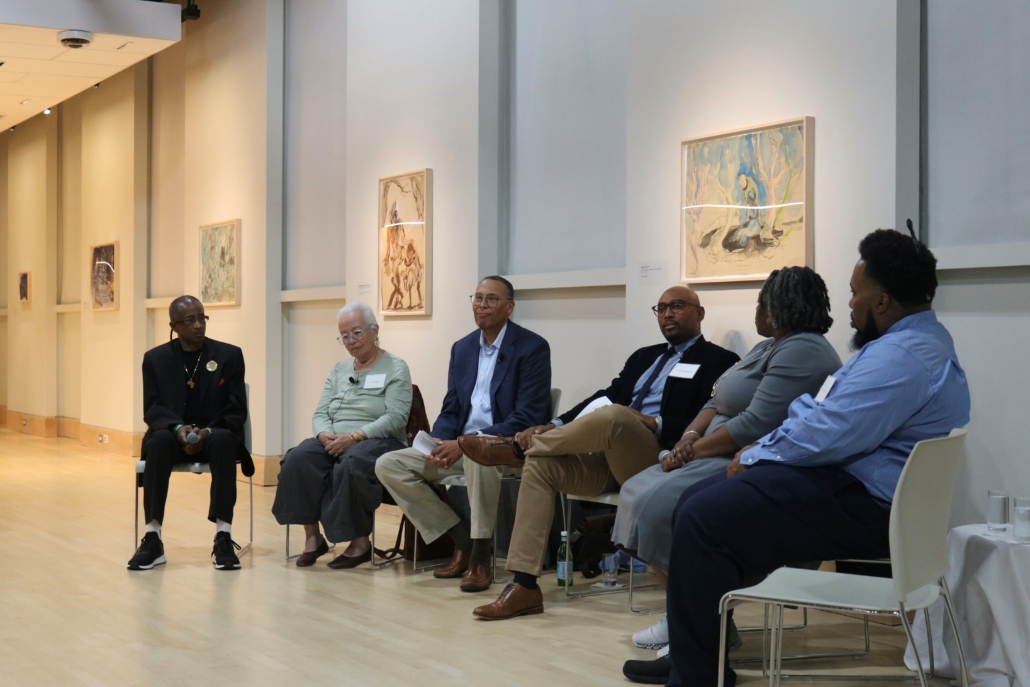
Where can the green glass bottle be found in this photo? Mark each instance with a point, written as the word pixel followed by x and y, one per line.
pixel 565 567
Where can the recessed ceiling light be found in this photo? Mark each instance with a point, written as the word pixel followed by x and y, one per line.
pixel 26 101
pixel 124 45
pixel 46 111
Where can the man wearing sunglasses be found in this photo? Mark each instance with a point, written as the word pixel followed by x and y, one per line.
pixel 498 382
pixel 620 433
pixel 195 406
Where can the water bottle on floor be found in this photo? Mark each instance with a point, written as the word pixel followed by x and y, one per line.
pixel 564 569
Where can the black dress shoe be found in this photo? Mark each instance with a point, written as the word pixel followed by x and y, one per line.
pixel 343 561
pixel 648 672
pixel 308 558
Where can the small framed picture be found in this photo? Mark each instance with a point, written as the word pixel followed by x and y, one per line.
pixel 103 276
pixel 25 287
pixel 220 263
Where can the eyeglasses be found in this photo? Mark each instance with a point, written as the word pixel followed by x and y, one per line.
pixel 676 307
pixel 191 320
pixel 491 300
pixel 346 337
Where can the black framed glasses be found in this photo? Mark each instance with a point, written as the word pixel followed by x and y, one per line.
pixel 491 300
pixel 676 307
pixel 191 320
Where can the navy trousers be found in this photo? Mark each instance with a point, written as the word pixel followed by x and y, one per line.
pixel 727 530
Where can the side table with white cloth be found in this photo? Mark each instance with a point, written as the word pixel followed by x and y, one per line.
pixel 990 585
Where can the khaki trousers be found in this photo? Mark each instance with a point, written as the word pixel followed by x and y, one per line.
pixel 590 456
pixel 408 478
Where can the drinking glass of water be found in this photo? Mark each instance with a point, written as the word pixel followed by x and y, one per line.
pixel 1021 519
pixel 609 570
pixel 997 511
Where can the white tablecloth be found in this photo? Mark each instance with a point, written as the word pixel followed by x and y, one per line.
pixel 990 585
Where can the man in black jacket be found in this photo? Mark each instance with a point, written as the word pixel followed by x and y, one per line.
pixel 195 406
pixel 604 440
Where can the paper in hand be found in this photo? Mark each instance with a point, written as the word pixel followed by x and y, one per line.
pixel 594 405
pixel 423 443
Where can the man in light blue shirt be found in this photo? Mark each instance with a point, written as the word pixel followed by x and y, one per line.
pixel 820 486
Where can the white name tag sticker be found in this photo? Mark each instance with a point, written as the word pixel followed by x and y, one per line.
pixel 824 390
pixel 375 381
pixel 684 370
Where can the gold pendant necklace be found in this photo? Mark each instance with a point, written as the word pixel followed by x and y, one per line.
pixel 189 382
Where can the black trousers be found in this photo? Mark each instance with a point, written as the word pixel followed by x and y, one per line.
pixel 341 493
pixel 164 450
pixel 728 530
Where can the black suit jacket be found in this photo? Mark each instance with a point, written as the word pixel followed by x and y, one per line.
pixel 222 391
pixel 682 399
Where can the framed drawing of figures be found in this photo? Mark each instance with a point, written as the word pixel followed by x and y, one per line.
pixel 746 202
pixel 406 244
pixel 25 287
pixel 220 263
pixel 103 276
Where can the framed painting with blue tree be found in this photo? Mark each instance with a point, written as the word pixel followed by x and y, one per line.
pixel 746 202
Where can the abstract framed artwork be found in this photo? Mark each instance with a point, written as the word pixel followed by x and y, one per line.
pixel 103 276
pixel 746 202
pixel 220 263
pixel 405 266
pixel 25 287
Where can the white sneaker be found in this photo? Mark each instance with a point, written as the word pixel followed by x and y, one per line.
pixel 663 652
pixel 654 637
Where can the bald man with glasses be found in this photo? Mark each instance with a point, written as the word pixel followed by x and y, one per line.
pixel 621 431
pixel 195 406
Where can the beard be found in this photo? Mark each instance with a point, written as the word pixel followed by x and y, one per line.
pixel 866 334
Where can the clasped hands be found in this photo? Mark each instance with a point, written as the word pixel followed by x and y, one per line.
pixel 335 444
pixel 188 448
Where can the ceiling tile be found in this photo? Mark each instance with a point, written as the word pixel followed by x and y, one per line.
pixel 36 52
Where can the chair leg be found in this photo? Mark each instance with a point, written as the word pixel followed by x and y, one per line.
pixel 953 619
pixel 908 631
pixel 135 521
pixel 250 544
pixel 722 640
pixel 929 640
pixel 287 542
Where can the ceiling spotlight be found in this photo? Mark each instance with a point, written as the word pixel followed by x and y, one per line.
pixel 46 111
pixel 96 85
pixel 75 39
pixel 12 128
pixel 190 11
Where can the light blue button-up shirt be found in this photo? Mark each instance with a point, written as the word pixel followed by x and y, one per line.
pixel 900 389
pixel 481 415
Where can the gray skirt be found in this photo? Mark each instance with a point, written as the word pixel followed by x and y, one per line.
pixel 647 500
pixel 341 493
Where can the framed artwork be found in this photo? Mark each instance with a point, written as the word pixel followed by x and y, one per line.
pixel 405 264
pixel 220 263
pixel 25 287
pixel 747 202
pixel 103 276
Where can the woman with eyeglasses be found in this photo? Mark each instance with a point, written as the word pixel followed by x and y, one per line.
pixel 748 401
pixel 330 478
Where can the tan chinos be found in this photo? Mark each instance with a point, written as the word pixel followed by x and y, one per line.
pixel 589 456
pixel 408 478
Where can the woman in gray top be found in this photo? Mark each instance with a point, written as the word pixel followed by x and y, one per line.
pixel 748 402
pixel 363 413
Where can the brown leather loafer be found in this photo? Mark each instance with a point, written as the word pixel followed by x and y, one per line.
pixel 514 601
pixel 490 451
pixel 343 561
pixel 456 568
pixel 477 579
pixel 308 558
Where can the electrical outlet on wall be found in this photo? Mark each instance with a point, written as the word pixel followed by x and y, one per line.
pixel 24 422
pixel 104 438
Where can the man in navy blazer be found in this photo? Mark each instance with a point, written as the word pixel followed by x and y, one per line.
pixel 498 382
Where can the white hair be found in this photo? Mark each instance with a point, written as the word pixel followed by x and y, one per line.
pixel 358 307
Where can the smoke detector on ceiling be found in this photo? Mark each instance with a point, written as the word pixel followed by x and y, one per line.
pixel 74 38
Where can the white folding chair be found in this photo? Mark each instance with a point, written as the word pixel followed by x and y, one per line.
pixel 919 560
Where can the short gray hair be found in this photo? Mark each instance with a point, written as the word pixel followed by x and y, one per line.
pixel 357 306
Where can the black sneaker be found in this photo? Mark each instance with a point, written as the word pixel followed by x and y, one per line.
pixel 151 552
pixel 223 553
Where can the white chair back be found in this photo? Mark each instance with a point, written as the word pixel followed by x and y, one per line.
pixel 555 400
pixel 919 515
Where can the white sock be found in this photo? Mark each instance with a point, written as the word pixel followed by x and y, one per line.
pixel 154 526
pixel 223 526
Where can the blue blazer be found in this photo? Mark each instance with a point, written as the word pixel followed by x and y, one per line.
pixel 520 391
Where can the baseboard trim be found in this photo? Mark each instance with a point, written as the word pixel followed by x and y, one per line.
pixel 35 425
pixel 68 427
pixel 266 471
pixel 120 443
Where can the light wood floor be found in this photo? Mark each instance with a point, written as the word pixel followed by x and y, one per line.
pixel 71 614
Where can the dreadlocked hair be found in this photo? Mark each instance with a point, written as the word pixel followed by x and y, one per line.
pixel 797 300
